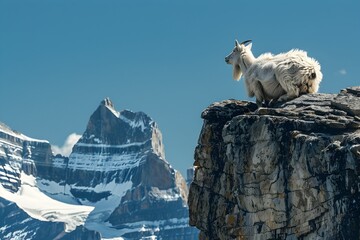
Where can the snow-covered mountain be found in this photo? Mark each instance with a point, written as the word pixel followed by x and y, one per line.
pixel 116 184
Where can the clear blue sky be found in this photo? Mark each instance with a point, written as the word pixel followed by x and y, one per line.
pixel 59 59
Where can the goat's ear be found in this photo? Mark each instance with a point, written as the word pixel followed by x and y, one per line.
pixel 236 43
pixel 249 46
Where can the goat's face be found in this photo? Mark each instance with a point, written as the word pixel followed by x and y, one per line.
pixel 239 49
pixel 235 56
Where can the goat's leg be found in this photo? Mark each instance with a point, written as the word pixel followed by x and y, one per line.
pixel 259 93
pixel 287 97
pixel 283 98
pixel 272 102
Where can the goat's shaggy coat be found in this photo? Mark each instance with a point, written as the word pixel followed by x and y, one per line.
pixel 275 77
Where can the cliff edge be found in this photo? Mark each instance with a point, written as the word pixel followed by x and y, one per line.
pixel 290 172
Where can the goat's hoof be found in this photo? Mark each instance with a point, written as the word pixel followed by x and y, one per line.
pixel 272 103
pixel 259 104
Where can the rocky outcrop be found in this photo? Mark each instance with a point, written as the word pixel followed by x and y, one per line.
pixel 289 172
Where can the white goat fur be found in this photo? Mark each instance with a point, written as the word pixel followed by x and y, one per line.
pixel 275 77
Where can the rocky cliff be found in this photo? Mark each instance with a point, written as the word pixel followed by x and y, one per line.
pixel 289 172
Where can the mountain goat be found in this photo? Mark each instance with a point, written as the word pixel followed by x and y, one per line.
pixel 274 78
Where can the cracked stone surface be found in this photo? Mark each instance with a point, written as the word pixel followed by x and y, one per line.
pixel 289 172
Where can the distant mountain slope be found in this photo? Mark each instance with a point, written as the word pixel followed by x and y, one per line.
pixel 116 182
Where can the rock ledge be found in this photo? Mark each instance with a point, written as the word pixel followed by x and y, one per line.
pixel 290 172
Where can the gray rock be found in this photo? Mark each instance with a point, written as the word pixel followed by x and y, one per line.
pixel 289 172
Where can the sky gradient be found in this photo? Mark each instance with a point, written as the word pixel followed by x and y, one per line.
pixel 59 59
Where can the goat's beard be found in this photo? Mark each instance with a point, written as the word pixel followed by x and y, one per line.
pixel 236 72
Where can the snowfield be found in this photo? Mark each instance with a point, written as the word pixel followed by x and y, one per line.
pixel 41 207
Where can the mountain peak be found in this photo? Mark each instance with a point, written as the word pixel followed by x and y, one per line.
pixel 107 103
pixel 119 128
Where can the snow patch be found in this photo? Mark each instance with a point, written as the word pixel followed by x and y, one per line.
pixel 116 113
pixel 167 195
pixel 96 220
pixel 135 123
pixel 39 206
pixel 152 227
pixel 57 191
pixel 111 146
pixel 21 136
pixel 104 163
pixel 103 208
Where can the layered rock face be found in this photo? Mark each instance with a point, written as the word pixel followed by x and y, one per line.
pixel 17 153
pixel 119 167
pixel 20 217
pixel 116 184
pixel 289 172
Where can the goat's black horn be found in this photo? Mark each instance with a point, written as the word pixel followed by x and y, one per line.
pixel 246 42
